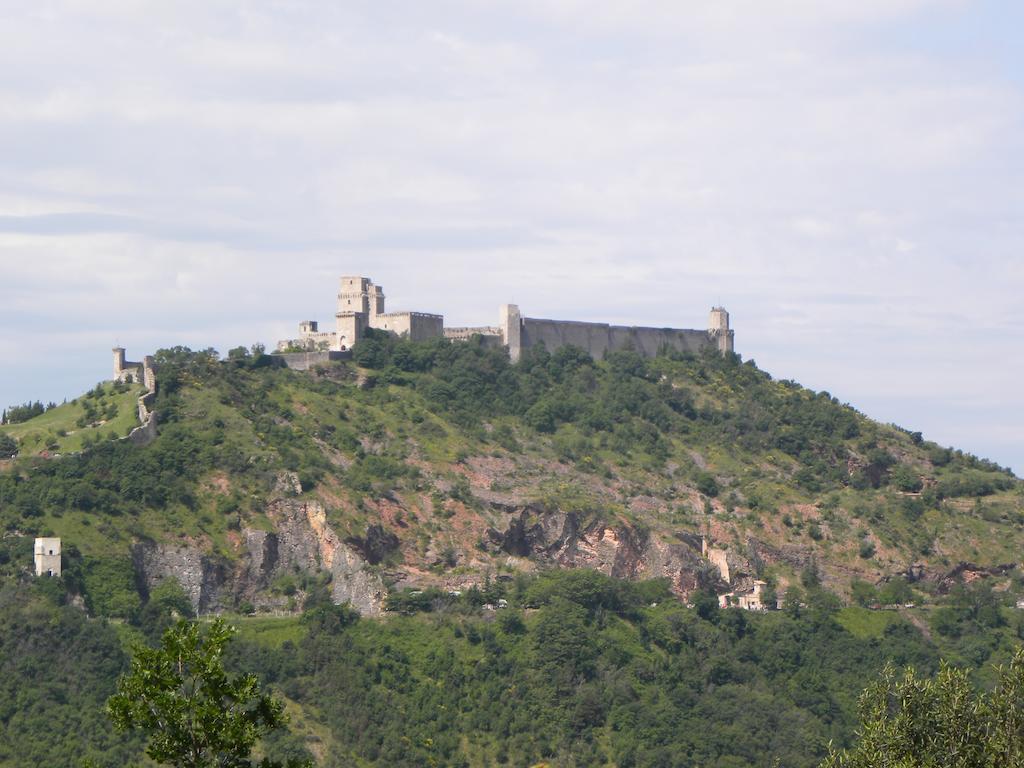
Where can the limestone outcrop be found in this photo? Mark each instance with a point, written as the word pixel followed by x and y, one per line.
pixel 567 540
pixel 303 543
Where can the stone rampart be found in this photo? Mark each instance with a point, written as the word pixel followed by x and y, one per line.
pixel 465 334
pixel 417 326
pixel 599 338
pixel 303 361
pixel 312 341
pixel 145 433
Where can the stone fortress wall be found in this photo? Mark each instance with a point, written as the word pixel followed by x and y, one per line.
pixel 417 326
pixel 599 338
pixel 140 373
pixel 361 306
pixel 466 333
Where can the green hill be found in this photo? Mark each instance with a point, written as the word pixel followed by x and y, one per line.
pixel 481 508
pixel 435 464
pixel 106 412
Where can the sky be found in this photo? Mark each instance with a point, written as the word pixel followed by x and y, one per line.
pixel 845 177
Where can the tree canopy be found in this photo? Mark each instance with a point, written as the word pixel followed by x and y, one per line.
pixel 196 715
pixel 940 722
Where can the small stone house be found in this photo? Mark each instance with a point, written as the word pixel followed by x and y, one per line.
pixel 747 599
pixel 47 557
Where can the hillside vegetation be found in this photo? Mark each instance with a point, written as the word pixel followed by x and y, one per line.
pixel 107 412
pixel 487 499
pixel 432 445
pixel 579 670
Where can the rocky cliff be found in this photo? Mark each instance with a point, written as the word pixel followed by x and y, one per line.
pixel 302 544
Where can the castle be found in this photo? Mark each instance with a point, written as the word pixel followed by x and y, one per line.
pixel 139 373
pixel 361 306
pixel 134 373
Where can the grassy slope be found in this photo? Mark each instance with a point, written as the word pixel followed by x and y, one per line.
pixel 35 434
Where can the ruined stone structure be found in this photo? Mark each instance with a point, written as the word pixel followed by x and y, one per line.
pixel 749 598
pixel 746 592
pixel 47 557
pixel 361 306
pixel 135 373
pixel 140 373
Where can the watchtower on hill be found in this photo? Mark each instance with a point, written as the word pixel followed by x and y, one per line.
pixel 47 557
pixel 132 372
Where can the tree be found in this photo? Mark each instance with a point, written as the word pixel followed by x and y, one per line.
pixel 8 447
pixel 196 715
pixel 907 722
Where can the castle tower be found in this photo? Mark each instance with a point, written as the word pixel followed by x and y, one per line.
pixel 47 557
pixel 148 373
pixel 353 310
pixel 718 329
pixel 375 296
pixel 118 362
pixel 719 319
pixel 510 325
pixel 354 295
pixel 351 327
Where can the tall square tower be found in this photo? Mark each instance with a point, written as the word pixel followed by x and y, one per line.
pixel 47 557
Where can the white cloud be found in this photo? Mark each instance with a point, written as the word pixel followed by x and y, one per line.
pixel 199 172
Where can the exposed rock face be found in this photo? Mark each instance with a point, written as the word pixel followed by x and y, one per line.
pixel 203 578
pixel 565 540
pixel 765 554
pixel 351 581
pixel 302 543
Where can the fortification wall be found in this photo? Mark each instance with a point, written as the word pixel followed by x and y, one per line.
pixel 303 361
pixel 426 326
pixel 145 433
pixel 464 334
pixel 599 338
pixel 417 326
pixel 318 339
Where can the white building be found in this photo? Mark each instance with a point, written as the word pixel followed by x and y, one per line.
pixel 47 557
pixel 748 599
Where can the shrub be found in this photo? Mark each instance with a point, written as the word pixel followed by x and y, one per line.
pixel 8 447
pixel 706 484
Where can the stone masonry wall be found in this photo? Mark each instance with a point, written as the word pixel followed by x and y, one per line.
pixel 303 361
pixel 598 338
pixel 417 326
